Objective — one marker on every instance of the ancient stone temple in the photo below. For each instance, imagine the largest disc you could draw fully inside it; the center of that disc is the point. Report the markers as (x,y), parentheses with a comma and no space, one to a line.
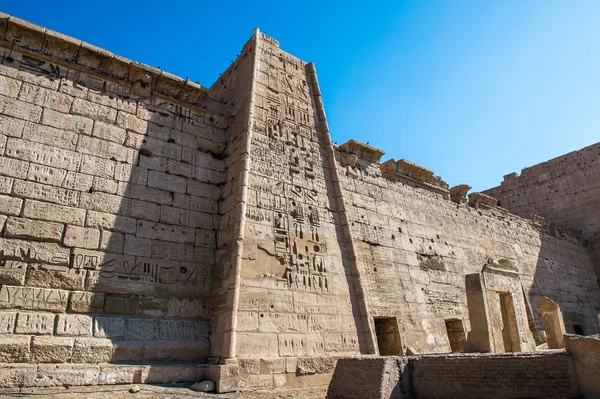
(155,230)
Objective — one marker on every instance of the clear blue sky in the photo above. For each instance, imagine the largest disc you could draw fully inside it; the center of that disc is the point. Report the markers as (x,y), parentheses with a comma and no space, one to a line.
(470,89)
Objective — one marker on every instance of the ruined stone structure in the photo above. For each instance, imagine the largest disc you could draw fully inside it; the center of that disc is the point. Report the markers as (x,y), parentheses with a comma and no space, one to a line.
(154,230)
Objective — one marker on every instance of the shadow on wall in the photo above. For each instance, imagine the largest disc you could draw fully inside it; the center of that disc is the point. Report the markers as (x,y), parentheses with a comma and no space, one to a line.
(153,277)
(565,274)
(109,256)
(506,316)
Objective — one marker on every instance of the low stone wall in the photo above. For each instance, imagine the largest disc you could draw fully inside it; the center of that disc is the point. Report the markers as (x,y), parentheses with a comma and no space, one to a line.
(524,375)
(532,375)
(17,375)
(585,352)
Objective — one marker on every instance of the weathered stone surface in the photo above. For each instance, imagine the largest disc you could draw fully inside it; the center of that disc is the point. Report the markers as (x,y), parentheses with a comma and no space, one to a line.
(27,298)
(74,325)
(35,323)
(81,237)
(33,229)
(14,349)
(86,302)
(204,386)
(51,349)
(54,213)
(92,350)
(166,209)
(47,276)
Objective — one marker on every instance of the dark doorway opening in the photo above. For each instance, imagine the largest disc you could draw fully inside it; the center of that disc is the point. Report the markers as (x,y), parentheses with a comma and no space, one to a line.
(456,334)
(510,332)
(578,329)
(388,336)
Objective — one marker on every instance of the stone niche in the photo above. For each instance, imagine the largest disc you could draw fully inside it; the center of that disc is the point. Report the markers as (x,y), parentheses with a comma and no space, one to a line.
(497,310)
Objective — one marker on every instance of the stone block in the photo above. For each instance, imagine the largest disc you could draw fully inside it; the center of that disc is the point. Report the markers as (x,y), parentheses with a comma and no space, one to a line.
(17,375)
(109,327)
(51,349)
(103,202)
(14,349)
(54,213)
(111,241)
(137,246)
(141,329)
(96,166)
(12,272)
(106,150)
(9,87)
(249,366)
(48,276)
(197,188)
(46,98)
(43,192)
(20,109)
(129,351)
(11,127)
(10,206)
(6,184)
(130,122)
(51,375)
(7,322)
(274,365)
(177,351)
(74,325)
(259,381)
(182,329)
(109,221)
(42,154)
(50,136)
(110,375)
(28,298)
(59,177)
(81,237)
(92,350)
(105,185)
(163,181)
(145,210)
(161,231)
(93,111)
(107,131)
(35,323)
(75,123)
(164,374)
(224,376)
(86,302)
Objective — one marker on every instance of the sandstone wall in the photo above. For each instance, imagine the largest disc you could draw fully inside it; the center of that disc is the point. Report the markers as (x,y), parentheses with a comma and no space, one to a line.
(416,248)
(585,352)
(295,295)
(110,175)
(523,375)
(564,190)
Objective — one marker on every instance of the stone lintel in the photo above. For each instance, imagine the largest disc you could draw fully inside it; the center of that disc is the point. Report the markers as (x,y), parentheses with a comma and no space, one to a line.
(502,266)
(68,52)
(363,151)
(482,200)
(404,170)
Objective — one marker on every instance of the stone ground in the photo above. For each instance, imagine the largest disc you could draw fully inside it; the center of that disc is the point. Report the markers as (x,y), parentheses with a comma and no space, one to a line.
(159,392)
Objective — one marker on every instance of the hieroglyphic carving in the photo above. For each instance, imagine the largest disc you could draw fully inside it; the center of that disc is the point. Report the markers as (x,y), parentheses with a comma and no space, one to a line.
(127,274)
(286,140)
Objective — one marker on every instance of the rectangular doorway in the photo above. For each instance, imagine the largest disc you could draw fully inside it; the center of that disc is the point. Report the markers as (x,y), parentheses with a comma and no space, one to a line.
(388,336)
(510,331)
(456,334)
